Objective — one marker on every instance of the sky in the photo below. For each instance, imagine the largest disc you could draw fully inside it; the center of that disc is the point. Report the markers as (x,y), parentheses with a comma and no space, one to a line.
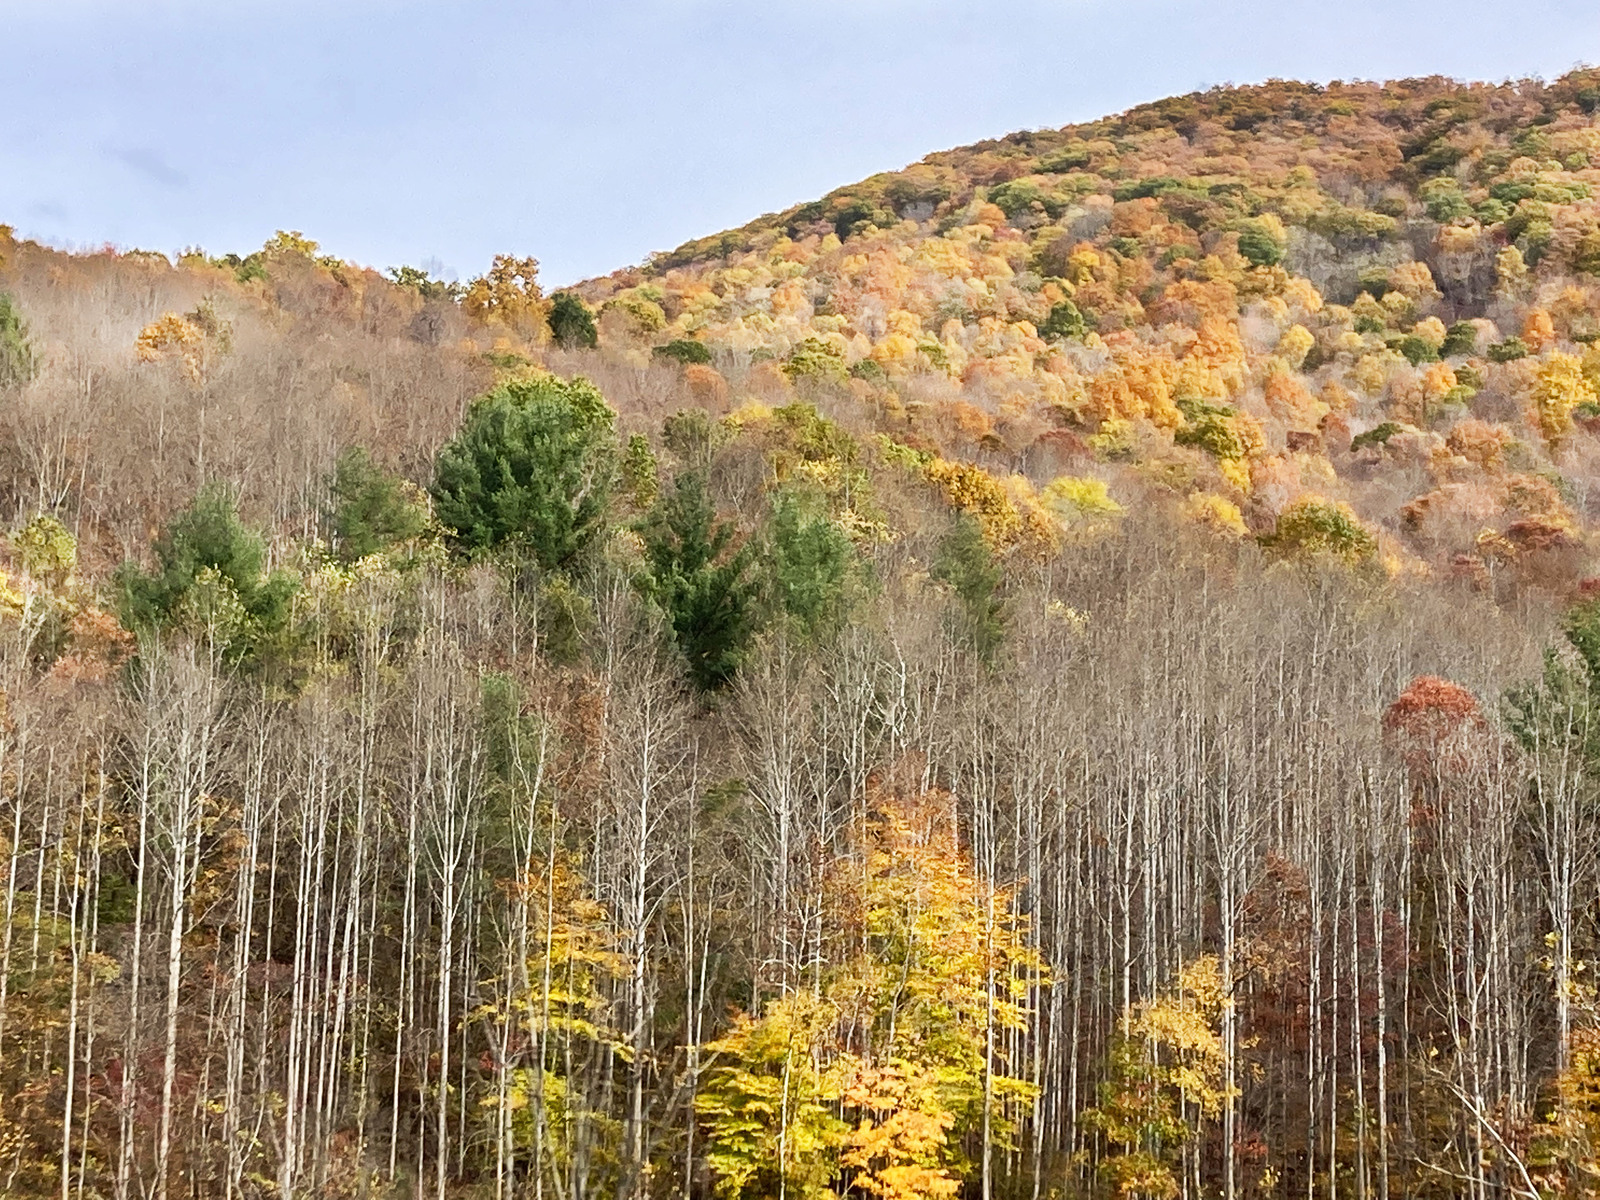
(591,133)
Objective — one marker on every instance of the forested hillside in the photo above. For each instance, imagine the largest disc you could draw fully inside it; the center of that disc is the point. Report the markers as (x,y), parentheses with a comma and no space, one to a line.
(1068,670)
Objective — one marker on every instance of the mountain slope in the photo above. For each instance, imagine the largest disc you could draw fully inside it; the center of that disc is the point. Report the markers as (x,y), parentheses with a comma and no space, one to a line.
(1380,295)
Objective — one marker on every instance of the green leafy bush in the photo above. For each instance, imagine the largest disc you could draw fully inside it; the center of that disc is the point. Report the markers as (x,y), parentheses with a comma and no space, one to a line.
(1509,350)
(530,469)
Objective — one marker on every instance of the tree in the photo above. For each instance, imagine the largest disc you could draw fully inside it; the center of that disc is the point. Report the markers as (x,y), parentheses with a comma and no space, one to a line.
(1263,241)
(1560,389)
(530,469)
(211,576)
(16,354)
(571,322)
(418,280)
(509,293)
(967,564)
(1063,321)
(702,582)
(811,564)
(1167,1063)
(876,1081)
(641,482)
(769,1103)
(372,509)
(1313,526)
(685,351)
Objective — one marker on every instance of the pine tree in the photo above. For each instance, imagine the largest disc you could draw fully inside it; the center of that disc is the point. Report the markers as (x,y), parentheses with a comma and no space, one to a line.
(532,468)
(16,354)
(701,581)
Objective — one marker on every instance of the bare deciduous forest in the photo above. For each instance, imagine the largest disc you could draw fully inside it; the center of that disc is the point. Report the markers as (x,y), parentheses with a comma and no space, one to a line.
(1066,671)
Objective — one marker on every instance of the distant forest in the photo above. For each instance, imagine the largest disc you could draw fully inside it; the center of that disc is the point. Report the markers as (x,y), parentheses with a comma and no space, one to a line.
(1071,670)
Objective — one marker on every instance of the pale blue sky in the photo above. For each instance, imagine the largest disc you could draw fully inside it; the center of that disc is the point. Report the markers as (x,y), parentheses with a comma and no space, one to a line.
(589,134)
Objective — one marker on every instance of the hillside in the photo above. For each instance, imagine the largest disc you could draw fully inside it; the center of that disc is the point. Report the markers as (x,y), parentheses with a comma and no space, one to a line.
(1067,671)
(1379,295)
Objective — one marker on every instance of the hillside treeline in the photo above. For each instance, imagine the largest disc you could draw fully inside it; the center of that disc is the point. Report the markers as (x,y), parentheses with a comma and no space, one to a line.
(463,742)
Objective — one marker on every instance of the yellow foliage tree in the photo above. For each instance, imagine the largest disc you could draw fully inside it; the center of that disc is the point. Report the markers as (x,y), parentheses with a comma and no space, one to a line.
(1558,389)
(872,1082)
(509,293)
(173,337)
(1166,1081)
(1565,1155)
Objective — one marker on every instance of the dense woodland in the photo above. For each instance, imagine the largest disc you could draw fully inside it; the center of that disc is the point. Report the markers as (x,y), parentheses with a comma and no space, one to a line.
(1068,670)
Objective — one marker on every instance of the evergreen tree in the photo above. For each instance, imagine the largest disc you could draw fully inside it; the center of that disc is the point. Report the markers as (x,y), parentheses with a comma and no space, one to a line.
(531,469)
(571,322)
(811,564)
(1064,320)
(701,582)
(968,566)
(210,576)
(372,509)
(16,355)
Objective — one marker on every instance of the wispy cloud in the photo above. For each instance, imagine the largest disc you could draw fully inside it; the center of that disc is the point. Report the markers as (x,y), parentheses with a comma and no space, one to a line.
(147,162)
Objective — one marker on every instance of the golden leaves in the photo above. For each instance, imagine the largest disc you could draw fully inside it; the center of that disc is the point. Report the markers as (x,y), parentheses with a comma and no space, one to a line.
(1559,388)
(173,336)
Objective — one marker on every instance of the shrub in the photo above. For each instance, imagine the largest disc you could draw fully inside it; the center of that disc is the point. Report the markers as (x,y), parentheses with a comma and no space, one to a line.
(571,322)
(373,509)
(531,468)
